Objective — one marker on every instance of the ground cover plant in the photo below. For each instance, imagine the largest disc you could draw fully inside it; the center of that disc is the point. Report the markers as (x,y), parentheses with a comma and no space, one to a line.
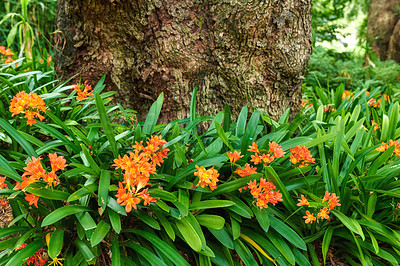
(89,184)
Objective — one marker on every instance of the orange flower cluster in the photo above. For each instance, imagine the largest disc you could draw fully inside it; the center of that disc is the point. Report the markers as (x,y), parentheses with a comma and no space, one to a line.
(36,259)
(375,125)
(136,169)
(346,93)
(304,103)
(234,156)
(29,104)
(34,172)
(3,185)
(329,109)
(374,103)
(81,95)
(300,154)
(207,177)
(5,51)
(8,60)
(264,192)
(332,201)
(247,170)
(385,146)
(274,152)
(49,59)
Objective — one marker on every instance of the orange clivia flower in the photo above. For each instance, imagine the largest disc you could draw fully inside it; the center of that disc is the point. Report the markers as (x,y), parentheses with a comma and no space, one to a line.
(146,197)
(382,148)
(32,199)
(324,213)
(327,196)
(5,51)
(136,170)
(303,201)
(57,162)
(346,93)
(304,103)
(29,104)
(51,179)
(385,146)
(375,125)
(81,95)
(3,185)
(275,150)
(310,218)
(333,201)
(300,154)
(248,170)
(374,103)
(264,192)
(3,202)
(8,60)
(254,148)
(207,177)
(234,156)
(34,169)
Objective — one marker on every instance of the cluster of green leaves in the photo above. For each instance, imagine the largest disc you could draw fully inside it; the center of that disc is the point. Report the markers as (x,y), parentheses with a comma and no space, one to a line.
(328,69)
(189,224)
(30,22)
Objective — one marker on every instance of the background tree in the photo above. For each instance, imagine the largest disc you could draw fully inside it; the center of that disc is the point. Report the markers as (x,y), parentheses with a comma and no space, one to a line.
(384,28)
(241,52)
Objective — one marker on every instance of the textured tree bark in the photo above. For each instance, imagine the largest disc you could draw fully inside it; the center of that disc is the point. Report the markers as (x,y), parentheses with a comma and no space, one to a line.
(383,29)
(243,52)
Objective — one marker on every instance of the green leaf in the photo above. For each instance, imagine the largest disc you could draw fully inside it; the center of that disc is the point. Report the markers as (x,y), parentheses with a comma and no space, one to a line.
(350,223)
(189,234)
(223,236)
(210,204)
(235,228)
(287,233)
(99,233)
(241,122)
(104,183)
(152,116)
(250,132)
(80,193)
(326,241)
(86,221)
(12,33)
(211,221)
(222,135)
(56,243)
(165,223)
(115,252)
(262,218)
(273,177)
(12,230)
(144,217)
(147,254)
(193,105)
(105,122)
(63,212)
(227,118)
(371,204)
(18,137)
(84,249)
(25,253)
(90,160)
(168,251)
(113,204)
(47,193)
(115,220)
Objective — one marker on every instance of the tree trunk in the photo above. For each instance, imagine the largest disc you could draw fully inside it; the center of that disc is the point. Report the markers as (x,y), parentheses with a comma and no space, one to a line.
(243,52)
(383,29)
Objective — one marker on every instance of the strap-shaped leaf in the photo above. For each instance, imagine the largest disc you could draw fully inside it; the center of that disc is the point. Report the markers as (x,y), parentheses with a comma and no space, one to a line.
(63,212)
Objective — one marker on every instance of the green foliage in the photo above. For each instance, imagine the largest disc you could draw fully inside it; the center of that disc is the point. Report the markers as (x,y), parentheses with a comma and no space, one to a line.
(328,69)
